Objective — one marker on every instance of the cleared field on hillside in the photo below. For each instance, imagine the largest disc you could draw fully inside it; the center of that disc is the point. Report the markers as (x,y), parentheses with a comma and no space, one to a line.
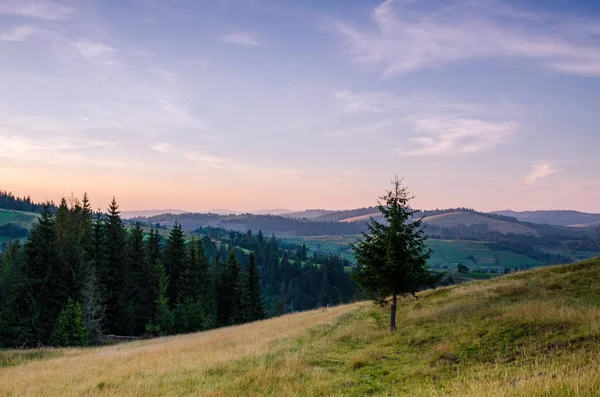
(24,219)
(446,253)
(475,254)
(469,218)
(339,245)
(533,333)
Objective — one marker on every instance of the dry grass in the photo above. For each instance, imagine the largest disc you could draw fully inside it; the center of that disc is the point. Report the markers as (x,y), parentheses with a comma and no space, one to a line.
(164,366)
(527,334)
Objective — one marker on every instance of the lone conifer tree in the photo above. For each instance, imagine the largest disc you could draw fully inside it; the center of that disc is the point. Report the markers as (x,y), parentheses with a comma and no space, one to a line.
(392,257)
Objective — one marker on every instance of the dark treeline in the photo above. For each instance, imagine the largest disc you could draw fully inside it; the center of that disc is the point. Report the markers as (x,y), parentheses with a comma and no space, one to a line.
(11,202)
(269,224)
(81,275)
(291,278)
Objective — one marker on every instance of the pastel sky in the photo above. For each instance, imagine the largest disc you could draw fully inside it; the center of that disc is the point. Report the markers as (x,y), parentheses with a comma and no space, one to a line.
(259,104)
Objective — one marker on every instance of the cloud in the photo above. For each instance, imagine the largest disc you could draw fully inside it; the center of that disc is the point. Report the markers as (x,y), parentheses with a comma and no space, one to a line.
(179,115)
(41,9)
(240,167)
(539,171)
(18,33)
(371,102)
(162,147)
(96,52)
(367,129)
(405,39)
(168,76)
(457,136)
(57,150)
(240,38)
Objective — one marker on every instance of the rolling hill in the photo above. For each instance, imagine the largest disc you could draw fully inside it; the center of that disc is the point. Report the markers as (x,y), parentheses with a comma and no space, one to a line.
(452,219)
(561,218)
(531,333)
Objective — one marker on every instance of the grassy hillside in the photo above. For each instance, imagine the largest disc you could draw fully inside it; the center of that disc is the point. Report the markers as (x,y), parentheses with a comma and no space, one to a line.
(533,333)
(563,218)
(470,218)
(446,253)
(25,219)
(20,218)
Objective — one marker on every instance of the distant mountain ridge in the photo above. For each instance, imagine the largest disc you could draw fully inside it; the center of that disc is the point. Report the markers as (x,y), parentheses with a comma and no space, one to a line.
(146,213)
(554,217)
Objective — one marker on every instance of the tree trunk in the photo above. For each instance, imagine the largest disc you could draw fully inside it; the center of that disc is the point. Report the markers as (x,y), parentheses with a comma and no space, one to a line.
(393,313)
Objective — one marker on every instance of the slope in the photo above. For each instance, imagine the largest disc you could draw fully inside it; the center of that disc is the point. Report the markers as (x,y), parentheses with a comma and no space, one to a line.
(555,217)
(530,333)
(471,218)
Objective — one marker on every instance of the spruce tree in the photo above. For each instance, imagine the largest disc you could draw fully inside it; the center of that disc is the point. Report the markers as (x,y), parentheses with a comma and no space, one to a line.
(239,297)
(392,257)
(93,309)
(41,270)
(137,279)
(174,261)
(113,273)
(255,307)
(69,329)
(14,297)
(228,278)
(164,319)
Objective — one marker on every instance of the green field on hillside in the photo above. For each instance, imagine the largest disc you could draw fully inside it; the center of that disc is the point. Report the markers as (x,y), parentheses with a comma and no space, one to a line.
(531,333)
(446,253)
(24,219)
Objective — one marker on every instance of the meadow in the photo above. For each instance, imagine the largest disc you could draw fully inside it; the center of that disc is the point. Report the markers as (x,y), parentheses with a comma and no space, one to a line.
(446,253)
(534,333)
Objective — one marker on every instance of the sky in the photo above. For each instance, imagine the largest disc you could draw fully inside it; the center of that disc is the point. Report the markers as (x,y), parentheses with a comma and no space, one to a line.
(247,105)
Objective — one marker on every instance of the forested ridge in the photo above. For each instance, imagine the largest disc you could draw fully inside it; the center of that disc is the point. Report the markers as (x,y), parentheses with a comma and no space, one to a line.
(82,275)
(11,202)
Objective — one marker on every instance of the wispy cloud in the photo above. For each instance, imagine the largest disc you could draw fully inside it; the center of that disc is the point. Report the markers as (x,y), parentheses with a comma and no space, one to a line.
(405,39)
(240,167)
(457,136)
(179,115)
(167,75)
(370,102)
(240,38)
(18,33)
(41,9)
(539,171)
(57,151)
(96,52)
(162,147)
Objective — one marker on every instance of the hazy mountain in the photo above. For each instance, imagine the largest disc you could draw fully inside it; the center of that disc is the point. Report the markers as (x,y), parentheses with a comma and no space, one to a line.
(308,214)
(554,217)
(274,211)
(146,213)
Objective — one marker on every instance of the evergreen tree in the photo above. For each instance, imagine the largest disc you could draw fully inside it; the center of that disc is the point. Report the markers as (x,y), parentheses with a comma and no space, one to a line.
(113,273)
(13,296)
(164,319)
(154,250)
(69,329)
(229,291)
(255,307)
(174,261)
(41,269)
(189,311)
(138,279)
(392,258)
(92,309)
(239,298)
